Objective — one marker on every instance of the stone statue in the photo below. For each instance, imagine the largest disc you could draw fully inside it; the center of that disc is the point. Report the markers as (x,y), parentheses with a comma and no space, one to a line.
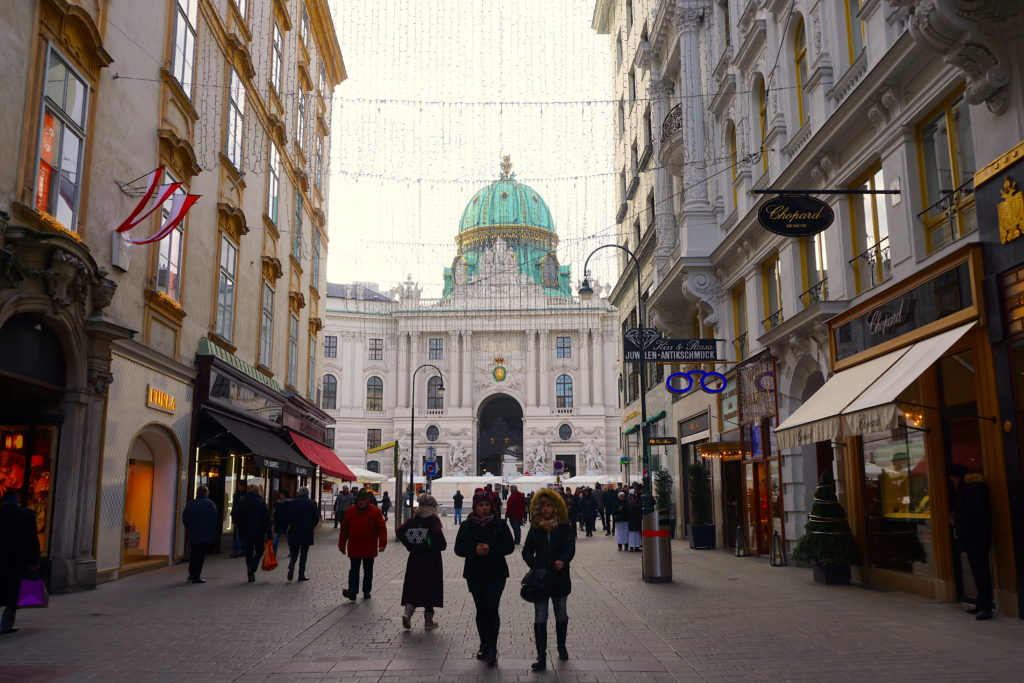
(403,455)
(458,458)
(537,460)
(593,460)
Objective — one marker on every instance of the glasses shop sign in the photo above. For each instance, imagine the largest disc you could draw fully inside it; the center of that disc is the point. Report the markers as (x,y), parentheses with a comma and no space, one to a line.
(795,215)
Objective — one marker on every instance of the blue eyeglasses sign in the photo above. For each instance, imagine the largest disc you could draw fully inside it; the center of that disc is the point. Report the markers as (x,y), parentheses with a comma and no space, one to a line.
(702,378)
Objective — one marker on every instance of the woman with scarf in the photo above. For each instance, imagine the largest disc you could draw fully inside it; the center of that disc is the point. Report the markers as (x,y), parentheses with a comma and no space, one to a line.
(550,545)
(485,540)
(423,586)
(636,517)
(620,515)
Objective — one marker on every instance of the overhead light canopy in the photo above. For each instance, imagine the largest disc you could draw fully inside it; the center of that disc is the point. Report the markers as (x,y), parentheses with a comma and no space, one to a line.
(723,450)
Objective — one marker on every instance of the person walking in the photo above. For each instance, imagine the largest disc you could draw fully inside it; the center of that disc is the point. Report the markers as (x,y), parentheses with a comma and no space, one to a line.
(363,535)
(598,495)
(423,585)
(236,539)
(457,507)
(201,520)
(385,505)
(495,499)
(572,505)
(972,531)
(278,516)
(342,502)
(484,540)
(636,519)
(515,510)
(254,528)
(301,518)
(588,511)
(550,546)
(20,559)
(620,516)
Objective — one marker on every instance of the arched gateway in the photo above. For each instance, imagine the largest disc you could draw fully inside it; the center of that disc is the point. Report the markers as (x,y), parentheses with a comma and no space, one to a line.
(499,434)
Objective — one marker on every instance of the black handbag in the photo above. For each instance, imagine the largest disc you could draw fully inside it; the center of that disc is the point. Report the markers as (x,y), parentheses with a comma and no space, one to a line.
(536,585)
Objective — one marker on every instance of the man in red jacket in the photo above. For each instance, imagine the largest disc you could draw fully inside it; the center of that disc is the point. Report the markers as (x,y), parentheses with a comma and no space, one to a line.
(363,534)
(515,510)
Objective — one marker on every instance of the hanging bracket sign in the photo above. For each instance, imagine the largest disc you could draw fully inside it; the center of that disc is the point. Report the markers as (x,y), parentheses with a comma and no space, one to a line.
(795,215)
(648,343)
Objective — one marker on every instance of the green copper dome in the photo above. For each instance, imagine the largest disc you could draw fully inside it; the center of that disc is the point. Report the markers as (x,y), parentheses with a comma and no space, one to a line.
(506,201)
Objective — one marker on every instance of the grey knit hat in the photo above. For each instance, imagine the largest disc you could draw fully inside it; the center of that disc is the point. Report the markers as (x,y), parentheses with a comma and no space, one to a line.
(427,501)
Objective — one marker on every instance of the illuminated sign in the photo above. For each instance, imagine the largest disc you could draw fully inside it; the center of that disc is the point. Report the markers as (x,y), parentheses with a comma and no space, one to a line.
(662,441)
(160,400)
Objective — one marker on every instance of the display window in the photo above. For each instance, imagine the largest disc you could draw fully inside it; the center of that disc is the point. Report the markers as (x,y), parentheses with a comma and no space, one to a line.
(138,508)
(26,465)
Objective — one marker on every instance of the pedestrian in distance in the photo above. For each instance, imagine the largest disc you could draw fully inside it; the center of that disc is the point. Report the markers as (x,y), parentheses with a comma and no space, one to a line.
(363,535)
(515,510)
(550,546)
(572,505)
(495,499)
(20,558)
(373,496)
(278,518)
(972,531)
(598,495)
(254,528)
(301,519)
(485,540)
(385,505)
(529,501)
(201,520)
(636,518)
(342,502)
(457,507)
(620,515)
(241,488)
(423,586)
(588,511)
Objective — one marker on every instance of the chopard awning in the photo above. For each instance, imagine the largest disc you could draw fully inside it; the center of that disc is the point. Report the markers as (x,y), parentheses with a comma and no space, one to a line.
(863,399)
(330,463)
(268,449)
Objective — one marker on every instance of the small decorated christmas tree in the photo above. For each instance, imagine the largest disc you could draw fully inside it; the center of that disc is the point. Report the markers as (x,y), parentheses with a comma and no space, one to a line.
(827,537)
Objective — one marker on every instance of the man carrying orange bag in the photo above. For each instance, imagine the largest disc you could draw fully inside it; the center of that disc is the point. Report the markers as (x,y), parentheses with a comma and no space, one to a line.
(269,557)
(253,519)
(364,533)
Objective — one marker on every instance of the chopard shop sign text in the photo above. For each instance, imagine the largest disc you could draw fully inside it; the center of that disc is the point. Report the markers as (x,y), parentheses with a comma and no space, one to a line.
(795,215)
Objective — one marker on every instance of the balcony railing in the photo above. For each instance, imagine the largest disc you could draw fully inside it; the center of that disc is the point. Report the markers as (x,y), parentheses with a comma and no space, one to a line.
(772,321)
(816,293)
(563,411)
(874,263)
(740,344)
(952,217)
(673,122)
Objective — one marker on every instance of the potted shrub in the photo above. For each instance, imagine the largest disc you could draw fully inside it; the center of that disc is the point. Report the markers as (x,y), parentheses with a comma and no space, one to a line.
(827,543)
(702,527)
(663,501)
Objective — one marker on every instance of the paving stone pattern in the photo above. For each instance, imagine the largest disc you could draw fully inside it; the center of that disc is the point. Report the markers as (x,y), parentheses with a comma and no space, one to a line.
(722,619)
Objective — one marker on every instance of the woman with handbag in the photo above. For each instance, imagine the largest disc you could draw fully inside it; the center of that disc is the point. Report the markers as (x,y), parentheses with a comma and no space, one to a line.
(484,540)
(549,548)
(423,586)
(620,515)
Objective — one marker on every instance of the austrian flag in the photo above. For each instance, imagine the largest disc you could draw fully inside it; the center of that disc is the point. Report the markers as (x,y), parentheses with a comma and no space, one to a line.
(180,204)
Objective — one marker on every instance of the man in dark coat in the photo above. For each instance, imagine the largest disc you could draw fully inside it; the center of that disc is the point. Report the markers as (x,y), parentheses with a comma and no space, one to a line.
(253,520)
(588,511)
(515,511)
(598,495)
(342,502)
(236,499)
(302,517)
(201,520)
(457,507)
(972,529)
(20,543)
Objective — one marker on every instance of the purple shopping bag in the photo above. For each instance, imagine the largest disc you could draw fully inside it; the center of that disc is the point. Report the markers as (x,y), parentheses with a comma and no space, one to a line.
(32,593)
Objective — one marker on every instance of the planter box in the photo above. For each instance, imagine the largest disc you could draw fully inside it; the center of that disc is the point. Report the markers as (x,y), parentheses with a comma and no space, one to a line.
(831,574)
(702,536)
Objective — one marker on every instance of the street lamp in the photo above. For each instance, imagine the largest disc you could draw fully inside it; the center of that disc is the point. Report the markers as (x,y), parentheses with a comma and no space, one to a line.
(650,516)
(412,429)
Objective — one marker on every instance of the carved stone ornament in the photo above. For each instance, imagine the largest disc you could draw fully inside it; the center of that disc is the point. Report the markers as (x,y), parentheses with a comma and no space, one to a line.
(687,18)
(702,287)
(67,279)
(102,293)
(1011,212)
(99,381)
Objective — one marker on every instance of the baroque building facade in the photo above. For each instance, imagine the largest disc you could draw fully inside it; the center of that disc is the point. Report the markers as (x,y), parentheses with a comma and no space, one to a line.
(735,97)
(525,366)
(105,343)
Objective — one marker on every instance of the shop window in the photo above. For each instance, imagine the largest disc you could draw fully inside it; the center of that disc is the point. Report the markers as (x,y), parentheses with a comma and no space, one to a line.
(870,226)
(814,256)
(375,394)
(277,59)
(376,349)
(236,119)
(739,320)
(61,143)
(184,56)
(330,346)
(801,73)
(227,272)
(267,326)
(330,393)
(435,393)
(947,161)
(373,437)
(854,29)
(26,465)
(435,349)
(563,347)
(168,264)
(563,392)
(771,285)
(273,183)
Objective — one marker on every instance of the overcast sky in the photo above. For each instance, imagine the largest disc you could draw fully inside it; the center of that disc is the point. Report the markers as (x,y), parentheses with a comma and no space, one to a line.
(437,91)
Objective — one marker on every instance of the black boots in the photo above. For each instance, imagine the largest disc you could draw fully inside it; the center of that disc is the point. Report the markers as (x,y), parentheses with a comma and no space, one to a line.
(540,637)
(488,630)
(481,629)
(492,646)
(561,630)
(619,546)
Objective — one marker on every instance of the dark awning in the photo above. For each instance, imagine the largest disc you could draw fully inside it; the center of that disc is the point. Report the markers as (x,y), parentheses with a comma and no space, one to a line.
(268,449)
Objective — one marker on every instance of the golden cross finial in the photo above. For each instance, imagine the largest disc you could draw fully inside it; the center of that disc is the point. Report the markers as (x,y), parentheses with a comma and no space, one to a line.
(506,166)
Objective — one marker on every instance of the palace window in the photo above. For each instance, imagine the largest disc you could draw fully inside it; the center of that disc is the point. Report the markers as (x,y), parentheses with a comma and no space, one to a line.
(803,104)
(563,347)
(61,143)
(330,346)
(168,262)
(184,57)
(730,134)
(300,120)
(854,29)
(762,120)
(304,28)
(273,183)
(739,320)
(319,169)
(947,159)
(329,437)
(227,272)
(373,437)
(330,393)
(314,280)
(815,269)
(376,349)
(435,349)
(771,282)
(433,433)
(311,368)
(293,349)
(435,393)
(236,119)
(267,325)
(297,227)
(375,394)
(870,233)
(277,59)
(563,392)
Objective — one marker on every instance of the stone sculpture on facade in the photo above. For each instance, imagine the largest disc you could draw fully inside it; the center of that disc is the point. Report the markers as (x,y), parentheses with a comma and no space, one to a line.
(458,459)
(537,460)
(593,458)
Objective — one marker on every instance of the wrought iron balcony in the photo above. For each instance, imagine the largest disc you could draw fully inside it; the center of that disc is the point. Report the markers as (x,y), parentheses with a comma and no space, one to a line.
(816,293)
(874,263)
(740,344)
(673,122)
(951,217)
(773,320)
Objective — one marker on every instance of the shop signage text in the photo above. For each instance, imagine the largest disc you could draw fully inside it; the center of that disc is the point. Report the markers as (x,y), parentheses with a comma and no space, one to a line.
(662,441)
(647,344)
(882,322)
(160,400)
(696,424)
(1012,288)
(795,215)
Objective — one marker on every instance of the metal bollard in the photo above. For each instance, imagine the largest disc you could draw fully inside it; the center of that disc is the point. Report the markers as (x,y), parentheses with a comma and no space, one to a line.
(657,557)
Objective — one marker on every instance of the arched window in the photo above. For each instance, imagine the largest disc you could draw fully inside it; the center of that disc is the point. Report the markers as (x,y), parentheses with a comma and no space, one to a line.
(762,120)
(800,71)
(435,394)
(330,394)
(730,134)
(563,391)
(375,394)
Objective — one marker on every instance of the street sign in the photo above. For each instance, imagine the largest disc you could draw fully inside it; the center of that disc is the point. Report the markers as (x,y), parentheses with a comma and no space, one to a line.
(559,466)
(430,469)
(645,343)
(662,441)
(431,454)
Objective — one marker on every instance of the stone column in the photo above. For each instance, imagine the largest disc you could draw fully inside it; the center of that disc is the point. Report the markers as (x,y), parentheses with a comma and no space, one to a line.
(403,369)
(531,369)
(664,216)
(586,369)
(467,369)
(545,351)
(455,381)
(414,362)
(599,367)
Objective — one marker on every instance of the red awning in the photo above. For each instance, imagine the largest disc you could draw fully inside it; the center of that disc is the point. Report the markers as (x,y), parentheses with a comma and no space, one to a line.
(329,462)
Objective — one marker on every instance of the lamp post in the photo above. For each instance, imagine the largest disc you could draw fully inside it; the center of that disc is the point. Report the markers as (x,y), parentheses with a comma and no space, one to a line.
(653,553)
(412,430)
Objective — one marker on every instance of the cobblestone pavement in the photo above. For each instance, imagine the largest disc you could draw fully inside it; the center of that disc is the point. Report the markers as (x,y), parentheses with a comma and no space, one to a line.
(722,619)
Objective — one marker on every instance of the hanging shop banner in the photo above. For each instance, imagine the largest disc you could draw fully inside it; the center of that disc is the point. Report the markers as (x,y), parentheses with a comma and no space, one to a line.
(648,343)
(795,215)
(755,379)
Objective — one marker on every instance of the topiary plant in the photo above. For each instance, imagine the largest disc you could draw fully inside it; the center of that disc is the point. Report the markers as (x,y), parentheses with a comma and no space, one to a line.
(827,537)
(663,490)
(700,495)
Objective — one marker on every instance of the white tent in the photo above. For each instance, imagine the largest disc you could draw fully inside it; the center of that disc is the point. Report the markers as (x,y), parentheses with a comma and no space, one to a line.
(444,488)
(533,482)
(417,479)
(588,480)
(467,480)
(366,476)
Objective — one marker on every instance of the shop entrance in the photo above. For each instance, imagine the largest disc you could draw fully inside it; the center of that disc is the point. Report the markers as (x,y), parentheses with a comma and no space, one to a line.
(732,494)
(759,509)
(150,498)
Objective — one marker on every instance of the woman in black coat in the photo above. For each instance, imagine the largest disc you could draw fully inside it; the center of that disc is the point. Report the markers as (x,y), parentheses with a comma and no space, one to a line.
(423,586)
(385,504)
(636,519)
(550,545)
(588,511)
(20,541)
(485,540)
(620,516)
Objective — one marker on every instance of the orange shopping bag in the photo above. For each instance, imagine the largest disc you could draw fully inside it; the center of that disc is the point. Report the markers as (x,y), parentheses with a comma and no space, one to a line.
(269,558)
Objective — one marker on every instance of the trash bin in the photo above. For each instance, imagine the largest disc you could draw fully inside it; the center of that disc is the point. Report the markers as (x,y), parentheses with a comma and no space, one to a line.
(657,558)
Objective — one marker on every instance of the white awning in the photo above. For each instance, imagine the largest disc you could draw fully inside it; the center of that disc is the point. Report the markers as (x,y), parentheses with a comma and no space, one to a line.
(818,419)
(863,399)
(589,479)
(366,476)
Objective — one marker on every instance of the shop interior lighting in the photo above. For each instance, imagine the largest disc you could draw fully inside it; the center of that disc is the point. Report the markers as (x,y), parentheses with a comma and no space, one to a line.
(723,450)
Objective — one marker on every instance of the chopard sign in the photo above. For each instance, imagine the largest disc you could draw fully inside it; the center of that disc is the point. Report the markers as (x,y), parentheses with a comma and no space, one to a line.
(795,215)
(883,322)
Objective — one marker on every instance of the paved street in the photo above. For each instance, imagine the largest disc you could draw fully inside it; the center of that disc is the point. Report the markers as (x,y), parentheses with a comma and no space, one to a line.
(723,619)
